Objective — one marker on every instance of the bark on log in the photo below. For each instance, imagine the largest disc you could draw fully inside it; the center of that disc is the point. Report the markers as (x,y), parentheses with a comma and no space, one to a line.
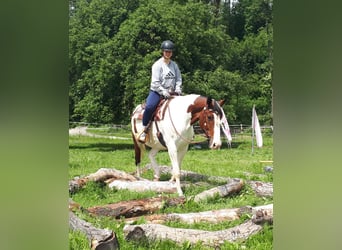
(233,186)
(142,186)
(260,214)
(262,188)
(153,232)
(134,208)
(99,239)
(263,214)
(74,205)
(101,175)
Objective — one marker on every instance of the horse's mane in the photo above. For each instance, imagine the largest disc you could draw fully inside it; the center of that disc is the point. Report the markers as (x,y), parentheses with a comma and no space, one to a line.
(216,106)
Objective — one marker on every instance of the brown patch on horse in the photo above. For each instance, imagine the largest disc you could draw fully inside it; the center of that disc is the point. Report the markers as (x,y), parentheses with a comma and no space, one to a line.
(202,110)
(195,108)
(135,126)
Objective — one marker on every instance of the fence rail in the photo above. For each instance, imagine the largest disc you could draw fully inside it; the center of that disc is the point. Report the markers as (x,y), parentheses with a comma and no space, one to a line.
(235,130)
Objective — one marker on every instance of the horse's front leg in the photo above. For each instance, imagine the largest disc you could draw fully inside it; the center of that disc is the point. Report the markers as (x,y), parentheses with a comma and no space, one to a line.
(176,164)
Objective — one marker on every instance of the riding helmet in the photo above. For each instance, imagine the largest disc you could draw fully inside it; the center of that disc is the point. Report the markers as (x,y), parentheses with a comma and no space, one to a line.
(167,46)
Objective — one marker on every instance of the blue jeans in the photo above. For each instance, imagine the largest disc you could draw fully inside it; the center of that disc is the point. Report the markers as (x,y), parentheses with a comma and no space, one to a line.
(151,105)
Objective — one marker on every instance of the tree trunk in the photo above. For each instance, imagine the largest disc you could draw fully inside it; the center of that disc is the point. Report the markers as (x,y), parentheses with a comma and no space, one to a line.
(101,175)
(153,232)
(262,188)
(99,239)
(233,186)
(134,208)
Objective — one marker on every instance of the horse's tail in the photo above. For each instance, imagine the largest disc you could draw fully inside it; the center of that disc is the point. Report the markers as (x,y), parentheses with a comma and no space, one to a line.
(138,149)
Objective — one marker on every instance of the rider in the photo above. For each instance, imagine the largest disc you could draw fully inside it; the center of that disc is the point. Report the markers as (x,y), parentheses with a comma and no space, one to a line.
(166,79)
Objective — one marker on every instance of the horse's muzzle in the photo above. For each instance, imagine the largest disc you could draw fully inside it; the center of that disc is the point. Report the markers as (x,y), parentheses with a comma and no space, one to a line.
(215,145)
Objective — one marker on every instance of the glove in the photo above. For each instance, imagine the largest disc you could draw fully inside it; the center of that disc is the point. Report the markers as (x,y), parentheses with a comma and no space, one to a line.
(178,92)
(166,94)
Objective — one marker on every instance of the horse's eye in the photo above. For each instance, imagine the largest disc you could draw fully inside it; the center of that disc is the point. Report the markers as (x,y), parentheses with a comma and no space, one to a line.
(210,118)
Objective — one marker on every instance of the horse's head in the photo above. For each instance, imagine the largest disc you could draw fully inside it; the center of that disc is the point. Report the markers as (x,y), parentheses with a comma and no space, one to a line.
(210,122)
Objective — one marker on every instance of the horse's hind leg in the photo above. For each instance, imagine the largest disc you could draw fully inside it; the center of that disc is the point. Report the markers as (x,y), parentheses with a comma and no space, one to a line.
(152,154)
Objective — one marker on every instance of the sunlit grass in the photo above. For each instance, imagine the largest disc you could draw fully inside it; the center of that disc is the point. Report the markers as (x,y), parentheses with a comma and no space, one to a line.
(88,154)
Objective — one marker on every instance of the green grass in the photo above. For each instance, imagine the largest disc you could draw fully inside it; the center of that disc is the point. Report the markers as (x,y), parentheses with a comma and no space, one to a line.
(88,154)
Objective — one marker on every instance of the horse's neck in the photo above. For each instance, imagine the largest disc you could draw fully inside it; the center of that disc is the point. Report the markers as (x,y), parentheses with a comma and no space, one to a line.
(177,110)
(195,108)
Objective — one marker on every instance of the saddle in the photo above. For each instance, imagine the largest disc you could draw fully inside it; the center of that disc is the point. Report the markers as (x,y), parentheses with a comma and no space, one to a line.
(157,115)
(159,112)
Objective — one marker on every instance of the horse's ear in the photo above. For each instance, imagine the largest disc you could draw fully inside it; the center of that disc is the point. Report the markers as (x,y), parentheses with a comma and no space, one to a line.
(221,102)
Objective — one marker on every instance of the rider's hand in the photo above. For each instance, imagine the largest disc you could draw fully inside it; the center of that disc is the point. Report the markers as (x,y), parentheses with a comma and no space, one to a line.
(178,92)
(166,94)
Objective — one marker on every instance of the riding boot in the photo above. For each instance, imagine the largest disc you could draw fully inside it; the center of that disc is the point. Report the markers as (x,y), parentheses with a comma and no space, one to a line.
(142,136)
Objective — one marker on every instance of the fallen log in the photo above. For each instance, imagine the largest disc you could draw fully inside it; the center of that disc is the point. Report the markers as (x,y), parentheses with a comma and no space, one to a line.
(263,214)
(134,208)
(101,175)
(233,186)
(99,239)
(260,214)
(143,186)
(73,206)
(262,188)
(153,232)
(193,176)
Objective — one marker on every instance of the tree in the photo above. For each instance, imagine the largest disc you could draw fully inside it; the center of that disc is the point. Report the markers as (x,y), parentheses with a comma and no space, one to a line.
(223,51)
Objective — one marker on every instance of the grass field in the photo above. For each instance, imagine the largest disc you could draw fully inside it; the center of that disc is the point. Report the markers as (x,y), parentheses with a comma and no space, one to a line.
(87,154)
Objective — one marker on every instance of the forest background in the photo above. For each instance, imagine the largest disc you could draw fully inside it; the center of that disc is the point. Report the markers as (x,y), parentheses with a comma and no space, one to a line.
(223,48)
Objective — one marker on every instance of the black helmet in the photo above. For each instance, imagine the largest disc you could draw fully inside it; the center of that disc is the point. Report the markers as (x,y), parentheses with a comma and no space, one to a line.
(167,45)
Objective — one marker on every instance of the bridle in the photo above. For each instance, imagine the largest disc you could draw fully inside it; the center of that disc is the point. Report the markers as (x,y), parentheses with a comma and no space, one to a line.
(206,117)
(204,120)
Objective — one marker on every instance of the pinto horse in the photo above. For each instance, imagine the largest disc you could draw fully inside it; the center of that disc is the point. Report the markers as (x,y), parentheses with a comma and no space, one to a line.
(172,130)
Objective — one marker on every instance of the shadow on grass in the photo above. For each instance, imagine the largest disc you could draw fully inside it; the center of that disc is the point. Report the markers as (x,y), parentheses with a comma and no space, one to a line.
(106,147)
(205,145)
(103,146)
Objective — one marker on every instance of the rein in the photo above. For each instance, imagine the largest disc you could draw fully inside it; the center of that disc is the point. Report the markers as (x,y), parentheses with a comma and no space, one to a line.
(185,139)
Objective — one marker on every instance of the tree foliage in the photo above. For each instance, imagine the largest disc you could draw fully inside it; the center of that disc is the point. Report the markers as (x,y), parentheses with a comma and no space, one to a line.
(223,51)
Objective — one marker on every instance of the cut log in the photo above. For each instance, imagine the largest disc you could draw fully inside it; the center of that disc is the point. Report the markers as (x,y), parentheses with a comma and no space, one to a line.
(263,214)
(262,188)
(101,175)
(233,186)
(153,232)
(134,208)
(99,239)
(260,215)
(143,186)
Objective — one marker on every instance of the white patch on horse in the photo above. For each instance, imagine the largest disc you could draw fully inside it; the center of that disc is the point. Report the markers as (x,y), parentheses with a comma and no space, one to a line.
(177,133)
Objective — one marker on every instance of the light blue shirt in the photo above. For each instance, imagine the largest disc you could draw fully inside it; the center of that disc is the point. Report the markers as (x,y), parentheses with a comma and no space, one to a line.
(165,76)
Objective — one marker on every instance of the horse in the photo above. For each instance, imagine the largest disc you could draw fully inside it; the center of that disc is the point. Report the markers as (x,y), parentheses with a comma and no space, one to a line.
(172,130)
